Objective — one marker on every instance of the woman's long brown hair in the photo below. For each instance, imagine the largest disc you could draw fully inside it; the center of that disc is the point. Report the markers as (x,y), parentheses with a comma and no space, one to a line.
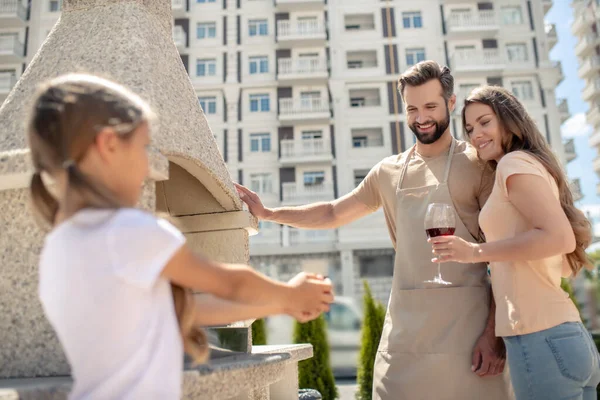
(66,116)
(522,134)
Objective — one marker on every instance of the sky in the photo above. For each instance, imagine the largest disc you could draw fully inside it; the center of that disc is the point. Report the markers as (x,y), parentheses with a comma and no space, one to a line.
(576,127)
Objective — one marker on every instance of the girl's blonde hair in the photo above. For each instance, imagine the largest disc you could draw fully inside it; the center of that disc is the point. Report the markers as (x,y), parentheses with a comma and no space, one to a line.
(67,114)
(522,134)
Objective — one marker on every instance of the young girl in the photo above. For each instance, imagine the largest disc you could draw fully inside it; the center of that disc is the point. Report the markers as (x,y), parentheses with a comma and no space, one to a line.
(535,236)
(109,272)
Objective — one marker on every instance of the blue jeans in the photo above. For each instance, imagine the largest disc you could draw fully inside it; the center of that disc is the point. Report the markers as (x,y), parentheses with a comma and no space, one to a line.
(559,363)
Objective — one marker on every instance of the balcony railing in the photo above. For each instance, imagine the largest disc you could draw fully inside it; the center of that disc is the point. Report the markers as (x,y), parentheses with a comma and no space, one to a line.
(13,8)
(575,185)
(585,43)
(301,66)
(292,107)
(300,30)
(596,164)
(305,147)
(593,117)
(10,45)
(7,81)
(480,20)
(569,147)
(478,58)
(286,2)
(588,66)
(551,32)
(591,89)
(296,193)
(298,236)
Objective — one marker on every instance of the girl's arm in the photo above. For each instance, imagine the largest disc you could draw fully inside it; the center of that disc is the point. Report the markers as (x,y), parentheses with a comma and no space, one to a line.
(240,283)
(551,232)
(214,311)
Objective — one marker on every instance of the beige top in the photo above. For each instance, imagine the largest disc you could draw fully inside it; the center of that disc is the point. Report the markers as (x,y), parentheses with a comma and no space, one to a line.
(469,183)
(527,293)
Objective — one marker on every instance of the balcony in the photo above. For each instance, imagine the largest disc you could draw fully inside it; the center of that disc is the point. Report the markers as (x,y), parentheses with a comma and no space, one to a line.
(480,21)
(589,67)
(11,49)
(596,164)
(178,7)
(299,5)
(294,193)
(551,35)
(569,147)
(7,82)
(575,186)
(585,45)
(267,236)
(582,21)
(563,110)
(591,90)
(302,236)
(305,32)
(294,151)
(593,117)
(13,14)
(179,37)
(303,68)
(291,110)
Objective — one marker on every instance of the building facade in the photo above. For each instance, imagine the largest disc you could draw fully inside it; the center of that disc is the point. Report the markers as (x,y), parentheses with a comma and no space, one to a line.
(301,98)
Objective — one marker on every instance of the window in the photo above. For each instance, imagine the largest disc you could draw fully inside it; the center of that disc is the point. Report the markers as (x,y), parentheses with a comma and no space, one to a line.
(361,59)
(206,67)
(357,102)
(261,183)
(208,104)
(206,30)
(376,266)
(307,24)
(511,15)
(258,27)
(314,178)
(412,19)
(307,135)
(54,5)
(359,22)
(357,64)
(523,90)
(259,103)
(359,141)
(260,142)
(517,52)
(308,99)
(414,56)
(360,175)
(206,1)
(259,65)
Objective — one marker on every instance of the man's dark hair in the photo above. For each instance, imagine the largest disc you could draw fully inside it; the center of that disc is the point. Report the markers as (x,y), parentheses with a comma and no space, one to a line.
(425,71)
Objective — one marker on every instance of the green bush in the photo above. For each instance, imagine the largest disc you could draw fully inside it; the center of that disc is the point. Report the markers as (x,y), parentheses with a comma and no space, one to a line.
(315,373)
(259,333)
(372,327)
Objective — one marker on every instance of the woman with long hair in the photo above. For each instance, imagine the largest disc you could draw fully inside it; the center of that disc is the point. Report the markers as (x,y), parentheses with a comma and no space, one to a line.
(535,236)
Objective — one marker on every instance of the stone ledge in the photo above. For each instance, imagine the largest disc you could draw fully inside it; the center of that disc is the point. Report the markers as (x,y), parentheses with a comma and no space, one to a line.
(221,379)
(218,222)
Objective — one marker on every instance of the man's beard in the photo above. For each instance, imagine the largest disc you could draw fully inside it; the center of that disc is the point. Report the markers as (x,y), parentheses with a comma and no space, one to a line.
(429,138)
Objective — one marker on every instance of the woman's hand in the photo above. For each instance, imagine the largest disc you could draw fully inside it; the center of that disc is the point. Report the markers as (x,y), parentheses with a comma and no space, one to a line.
(453,248)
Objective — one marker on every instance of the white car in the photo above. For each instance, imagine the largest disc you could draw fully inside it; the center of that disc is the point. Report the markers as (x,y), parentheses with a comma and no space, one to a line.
(344,321)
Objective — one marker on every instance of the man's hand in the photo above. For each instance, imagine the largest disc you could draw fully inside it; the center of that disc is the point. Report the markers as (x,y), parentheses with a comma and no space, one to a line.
(489,355)
(255,206)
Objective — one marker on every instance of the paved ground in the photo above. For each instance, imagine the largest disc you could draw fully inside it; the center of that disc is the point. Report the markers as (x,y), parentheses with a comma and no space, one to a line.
(347,389)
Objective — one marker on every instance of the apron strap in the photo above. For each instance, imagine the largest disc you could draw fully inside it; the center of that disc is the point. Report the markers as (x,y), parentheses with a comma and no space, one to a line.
(405,165)
(449,162)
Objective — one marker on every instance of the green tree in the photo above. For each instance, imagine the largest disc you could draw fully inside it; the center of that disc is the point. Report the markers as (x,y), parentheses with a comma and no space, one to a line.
(372,327)
(315,373)
(259,333)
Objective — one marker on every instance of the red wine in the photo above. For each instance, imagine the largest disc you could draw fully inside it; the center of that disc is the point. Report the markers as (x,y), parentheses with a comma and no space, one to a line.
(434,232)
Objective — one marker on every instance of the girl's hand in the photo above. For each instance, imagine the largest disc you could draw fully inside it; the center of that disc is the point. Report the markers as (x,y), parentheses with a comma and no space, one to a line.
(453,248)
(309,292)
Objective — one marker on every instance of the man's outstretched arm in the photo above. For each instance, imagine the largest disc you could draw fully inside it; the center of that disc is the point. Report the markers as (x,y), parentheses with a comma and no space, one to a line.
(325,215)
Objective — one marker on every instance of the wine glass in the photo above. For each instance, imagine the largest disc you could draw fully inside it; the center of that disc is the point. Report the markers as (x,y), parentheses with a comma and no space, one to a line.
(439,221)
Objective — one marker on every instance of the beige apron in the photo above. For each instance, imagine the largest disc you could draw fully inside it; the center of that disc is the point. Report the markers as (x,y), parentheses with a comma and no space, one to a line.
(430,330)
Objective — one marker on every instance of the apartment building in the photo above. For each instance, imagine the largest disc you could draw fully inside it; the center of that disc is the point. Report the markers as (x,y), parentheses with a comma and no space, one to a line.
(301,98)
(585,27)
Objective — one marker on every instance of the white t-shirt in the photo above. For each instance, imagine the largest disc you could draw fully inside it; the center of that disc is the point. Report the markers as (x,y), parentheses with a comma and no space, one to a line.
(101,289)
